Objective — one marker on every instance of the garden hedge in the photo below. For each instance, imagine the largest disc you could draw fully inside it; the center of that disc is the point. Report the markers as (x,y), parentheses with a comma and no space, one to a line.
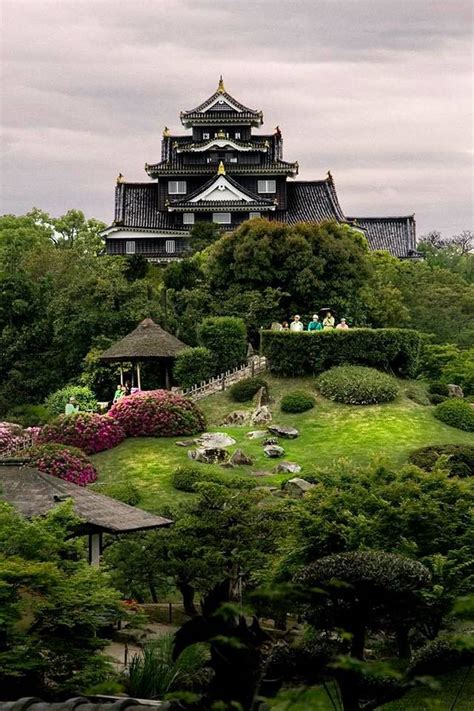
(307,353)
(226,338)
(193,365)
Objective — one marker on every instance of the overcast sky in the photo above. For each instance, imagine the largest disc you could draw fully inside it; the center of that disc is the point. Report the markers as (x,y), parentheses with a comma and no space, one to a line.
(378,91)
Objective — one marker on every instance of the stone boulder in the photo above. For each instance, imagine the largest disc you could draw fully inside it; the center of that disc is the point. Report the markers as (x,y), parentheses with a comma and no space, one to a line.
(282,431)
(297,487)
(215,439)
(237,417)
(240,459)
(455,390)
(257,434)
(287,468)
(209,455)
(262,397)
(261,416)
(270,440)
(274,451)
(185,443)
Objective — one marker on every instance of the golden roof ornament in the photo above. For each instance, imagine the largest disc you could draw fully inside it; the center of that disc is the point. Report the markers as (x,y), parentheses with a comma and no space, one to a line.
(220,86)
(166,132)
(221,133)
(330,178)
(120,179)
(221,168)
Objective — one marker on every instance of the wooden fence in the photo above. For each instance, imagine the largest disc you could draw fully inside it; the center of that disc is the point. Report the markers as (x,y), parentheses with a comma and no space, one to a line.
(255,364)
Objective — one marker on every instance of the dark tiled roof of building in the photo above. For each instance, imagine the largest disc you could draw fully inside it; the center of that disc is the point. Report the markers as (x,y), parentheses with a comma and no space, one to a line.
(220,94)
(312,201)
(80,703)
(392,234)
(186,200)
(136,205)
(34,493)
(176,167)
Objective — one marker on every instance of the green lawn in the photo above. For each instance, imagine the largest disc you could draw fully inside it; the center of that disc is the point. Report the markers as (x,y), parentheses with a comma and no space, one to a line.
(328,432)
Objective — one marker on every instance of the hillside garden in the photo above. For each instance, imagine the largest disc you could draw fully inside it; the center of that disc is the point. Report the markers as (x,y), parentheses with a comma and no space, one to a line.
(331,497)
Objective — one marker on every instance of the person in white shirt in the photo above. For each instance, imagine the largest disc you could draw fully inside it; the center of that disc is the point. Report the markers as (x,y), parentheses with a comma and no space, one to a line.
(296,324)
(343,325)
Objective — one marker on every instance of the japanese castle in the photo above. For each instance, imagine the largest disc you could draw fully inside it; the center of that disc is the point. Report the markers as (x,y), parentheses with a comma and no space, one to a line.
(224,173)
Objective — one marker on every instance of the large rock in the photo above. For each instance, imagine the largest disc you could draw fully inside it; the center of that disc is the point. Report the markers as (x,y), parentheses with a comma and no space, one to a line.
(270,440)
(274,451)
(237,417)
(262,397)
(455,390)
(261,416)
(240,459)
(215,439)
(209,455)
(257,434)
(282,431)
(287,468)
(298,487)
(185,443)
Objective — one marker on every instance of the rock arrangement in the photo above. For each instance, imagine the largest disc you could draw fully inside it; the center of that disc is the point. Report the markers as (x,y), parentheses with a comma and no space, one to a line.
(298,487)
(287,468)
(215,439)
(274,451)
(209,455)
(282,431)
(237,417)
(261,416)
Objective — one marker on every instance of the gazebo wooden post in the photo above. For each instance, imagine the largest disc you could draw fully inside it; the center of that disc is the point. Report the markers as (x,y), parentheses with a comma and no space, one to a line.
(167,376)
(121,375)
(95,548)
(139,382)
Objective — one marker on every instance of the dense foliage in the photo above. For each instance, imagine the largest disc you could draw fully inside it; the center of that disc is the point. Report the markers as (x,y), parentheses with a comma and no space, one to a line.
(84,397)
(292,354)
(245,389)
(356,385)
(457,458)
(457,413)
(157,413)
(90,432)
(68,463)
(225,337)
(188,478)
(193,366)
(297,401)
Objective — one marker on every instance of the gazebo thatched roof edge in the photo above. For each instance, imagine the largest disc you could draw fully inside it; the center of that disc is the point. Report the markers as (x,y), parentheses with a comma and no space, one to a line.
(147,342)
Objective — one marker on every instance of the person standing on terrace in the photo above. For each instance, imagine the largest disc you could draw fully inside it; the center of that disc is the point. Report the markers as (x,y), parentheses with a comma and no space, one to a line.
(315,324)
(296,324)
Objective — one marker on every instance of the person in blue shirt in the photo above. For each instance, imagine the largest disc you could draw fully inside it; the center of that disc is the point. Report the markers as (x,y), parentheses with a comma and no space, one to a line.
(315,324)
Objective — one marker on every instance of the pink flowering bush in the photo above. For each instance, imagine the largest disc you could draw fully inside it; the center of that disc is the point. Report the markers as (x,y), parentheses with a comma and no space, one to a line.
(67,463)
(158,413)
(13,437)
(90,432)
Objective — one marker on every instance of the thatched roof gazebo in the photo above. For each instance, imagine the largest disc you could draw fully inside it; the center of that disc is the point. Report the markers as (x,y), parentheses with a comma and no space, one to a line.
(148,342)
(34,493)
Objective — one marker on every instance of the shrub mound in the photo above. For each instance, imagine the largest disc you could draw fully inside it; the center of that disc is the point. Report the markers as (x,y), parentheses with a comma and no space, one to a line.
(416,393)
(187,478)
(436,399)
(194,365)
(90,432)
(456,413)
(57,401)
(297,401)
(123,491)
(357,385)
(438,388)
(158,413)
(244,390)
(460,462)
(68,463)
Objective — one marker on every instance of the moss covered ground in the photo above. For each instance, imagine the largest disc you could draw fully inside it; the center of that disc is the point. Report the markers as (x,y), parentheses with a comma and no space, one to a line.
(328,432)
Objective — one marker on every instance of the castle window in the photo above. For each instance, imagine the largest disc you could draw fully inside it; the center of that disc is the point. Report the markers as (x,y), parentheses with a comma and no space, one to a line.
(130,247)
(170,246)
(206,136)
(188,218)
(237,134)
(222,218)
(267,186)
(254,214)
(176,187)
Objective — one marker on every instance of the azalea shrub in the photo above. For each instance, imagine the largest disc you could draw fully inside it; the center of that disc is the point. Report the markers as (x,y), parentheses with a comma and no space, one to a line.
(68,463)
(13,437)
(158,413)
(90,432)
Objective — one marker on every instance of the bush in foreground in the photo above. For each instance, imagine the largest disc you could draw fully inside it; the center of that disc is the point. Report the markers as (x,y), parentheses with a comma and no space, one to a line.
(59,399)
(192,366)
(68,463)
(90,432)
(245,389)
(297,401)
(460,458)
(357,385)
(158,413)
(456,413)
(188,478)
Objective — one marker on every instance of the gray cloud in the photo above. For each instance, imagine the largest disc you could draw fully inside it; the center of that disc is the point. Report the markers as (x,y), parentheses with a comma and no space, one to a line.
(379,92)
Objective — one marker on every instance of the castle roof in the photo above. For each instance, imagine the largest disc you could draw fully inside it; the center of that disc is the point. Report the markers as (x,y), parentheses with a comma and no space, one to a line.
(392,234)
(219,108)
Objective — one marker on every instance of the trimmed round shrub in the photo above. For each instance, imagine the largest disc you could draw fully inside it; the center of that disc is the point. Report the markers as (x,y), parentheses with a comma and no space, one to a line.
(245,389)
(460,462)
(90,432)
(438,388)
(297,401)
(226,338)
(456,413)
(188,478)
(158,413)
(84,396)
(357,385)
(417,394)
(123,491)
(436,399)
(193,365)
(68,463)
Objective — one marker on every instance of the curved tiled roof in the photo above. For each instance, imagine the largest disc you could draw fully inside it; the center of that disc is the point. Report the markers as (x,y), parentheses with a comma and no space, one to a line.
(136,205)
(312,201)
(187,198)
(393,234)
